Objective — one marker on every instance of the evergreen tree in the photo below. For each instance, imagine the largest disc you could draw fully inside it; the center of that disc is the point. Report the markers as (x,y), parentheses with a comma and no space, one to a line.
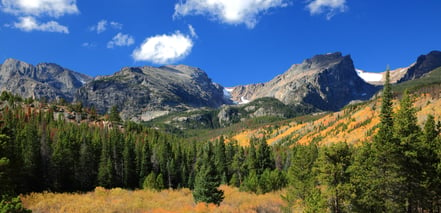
(408,147)
(114,114)
(264,157)
(431,180)
(105,169)
(301,177)
(378,181)
(129,175)
(207,180)
(333,164)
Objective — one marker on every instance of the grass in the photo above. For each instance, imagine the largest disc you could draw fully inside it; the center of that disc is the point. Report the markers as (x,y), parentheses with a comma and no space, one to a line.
(434,77)
(120,200)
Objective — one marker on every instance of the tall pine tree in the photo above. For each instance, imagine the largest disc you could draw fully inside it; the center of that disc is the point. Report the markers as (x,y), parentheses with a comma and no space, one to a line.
(207,180)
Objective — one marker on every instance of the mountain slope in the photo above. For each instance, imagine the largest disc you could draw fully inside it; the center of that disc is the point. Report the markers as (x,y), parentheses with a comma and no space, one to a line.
(327,82)
(143,93)
(353,124)
(45,80)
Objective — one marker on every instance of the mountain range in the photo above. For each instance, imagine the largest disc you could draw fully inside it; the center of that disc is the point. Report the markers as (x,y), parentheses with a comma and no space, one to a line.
(325,82)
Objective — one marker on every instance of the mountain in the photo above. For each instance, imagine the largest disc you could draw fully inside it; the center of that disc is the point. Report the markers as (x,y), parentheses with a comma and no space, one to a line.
(327,82)
(423,65)
(45,80)
(144,93)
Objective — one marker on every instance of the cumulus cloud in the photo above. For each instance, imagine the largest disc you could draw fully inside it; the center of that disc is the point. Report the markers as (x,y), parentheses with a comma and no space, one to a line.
(29,24)
(331,7)
(101,26)
(164,49)
(228,11)
(53,8)
(121,40)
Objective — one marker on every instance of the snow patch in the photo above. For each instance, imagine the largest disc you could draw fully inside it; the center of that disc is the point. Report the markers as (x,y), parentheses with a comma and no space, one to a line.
(243,100)
(369,76)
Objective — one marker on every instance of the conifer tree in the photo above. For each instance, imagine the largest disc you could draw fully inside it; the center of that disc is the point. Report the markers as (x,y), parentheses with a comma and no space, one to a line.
(301,177)
(431,180)
(383,180)
(408,146)
(207,180)
(114,114)
(333,165)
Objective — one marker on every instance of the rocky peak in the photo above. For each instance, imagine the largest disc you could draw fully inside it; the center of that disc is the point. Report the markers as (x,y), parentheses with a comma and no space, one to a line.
(327,82)
(322,60)
(46,80)
(143,93)
(423,65)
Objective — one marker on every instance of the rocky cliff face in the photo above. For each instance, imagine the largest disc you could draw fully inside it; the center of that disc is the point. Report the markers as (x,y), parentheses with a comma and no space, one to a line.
(45,80)
(143,93)
(423,65)
(327,82)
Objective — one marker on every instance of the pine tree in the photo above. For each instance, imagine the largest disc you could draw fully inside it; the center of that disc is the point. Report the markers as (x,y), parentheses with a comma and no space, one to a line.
(129,175)
(301,177)
(431,181)
(380,191)
(333,165)
(207,180)
(114,114)
(407,134)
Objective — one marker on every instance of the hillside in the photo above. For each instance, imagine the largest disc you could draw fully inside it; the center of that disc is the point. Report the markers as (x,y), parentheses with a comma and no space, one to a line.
(354,124)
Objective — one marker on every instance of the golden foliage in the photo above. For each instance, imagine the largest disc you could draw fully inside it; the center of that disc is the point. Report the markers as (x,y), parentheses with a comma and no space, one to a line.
(354,124)
(121,200)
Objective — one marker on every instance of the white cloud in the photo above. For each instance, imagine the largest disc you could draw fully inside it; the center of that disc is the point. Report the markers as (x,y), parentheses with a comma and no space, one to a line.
(29,24)
(228,11)
(53,8)
(192,31)
(101,26)
(164,49)
(330,6)
(121,40)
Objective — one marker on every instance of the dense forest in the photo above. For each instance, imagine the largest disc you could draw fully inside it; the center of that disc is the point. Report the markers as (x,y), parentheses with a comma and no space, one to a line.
(399,171)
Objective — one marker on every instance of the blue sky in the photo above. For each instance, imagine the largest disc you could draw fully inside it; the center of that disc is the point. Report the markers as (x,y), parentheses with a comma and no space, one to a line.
(234,41)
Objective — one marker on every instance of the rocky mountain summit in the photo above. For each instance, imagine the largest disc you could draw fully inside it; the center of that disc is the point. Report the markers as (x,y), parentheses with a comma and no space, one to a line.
(143,93)
(45,80)
(327,82)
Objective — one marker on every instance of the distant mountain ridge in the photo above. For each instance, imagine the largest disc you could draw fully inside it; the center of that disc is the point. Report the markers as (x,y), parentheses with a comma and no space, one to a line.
(325,82)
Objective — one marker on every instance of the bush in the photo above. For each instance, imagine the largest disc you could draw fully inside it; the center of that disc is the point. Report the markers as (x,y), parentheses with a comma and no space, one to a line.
(12,205)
